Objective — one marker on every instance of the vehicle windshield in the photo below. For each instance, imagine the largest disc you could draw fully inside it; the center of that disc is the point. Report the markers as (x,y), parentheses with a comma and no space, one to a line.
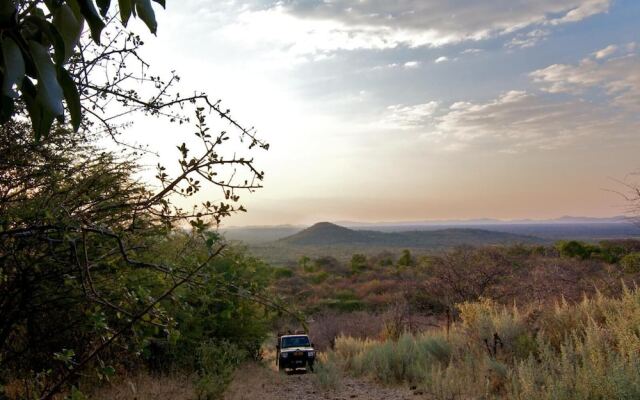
(295,341)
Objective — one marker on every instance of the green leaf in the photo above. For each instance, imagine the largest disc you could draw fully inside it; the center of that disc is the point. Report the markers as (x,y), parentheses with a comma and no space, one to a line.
(103,5)
(75,7)
(50,92)
(125,10)
(66,356)
(77,394)
(7,12)
(41,119)
(72,97)
(69,27)
(7,108)
(146,14)
(51,33)
(14,68)
(96,24)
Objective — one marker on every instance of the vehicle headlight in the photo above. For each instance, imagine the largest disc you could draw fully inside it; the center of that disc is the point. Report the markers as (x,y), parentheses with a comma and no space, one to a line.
(311,354)
(285,355)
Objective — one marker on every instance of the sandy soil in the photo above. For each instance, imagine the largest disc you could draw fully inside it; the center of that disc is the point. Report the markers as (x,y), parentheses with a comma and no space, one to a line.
(257,382)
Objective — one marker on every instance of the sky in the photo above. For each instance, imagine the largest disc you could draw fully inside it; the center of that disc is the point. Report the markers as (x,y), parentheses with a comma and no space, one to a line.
(406,110)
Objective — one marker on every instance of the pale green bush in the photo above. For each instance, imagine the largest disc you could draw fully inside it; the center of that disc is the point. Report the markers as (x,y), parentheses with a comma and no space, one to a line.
(327,372)
(347,348)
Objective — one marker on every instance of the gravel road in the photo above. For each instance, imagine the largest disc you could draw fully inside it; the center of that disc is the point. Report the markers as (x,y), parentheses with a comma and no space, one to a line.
(258,382)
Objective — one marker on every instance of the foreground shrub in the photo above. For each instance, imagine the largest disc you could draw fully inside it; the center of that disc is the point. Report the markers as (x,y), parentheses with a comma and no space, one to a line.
(328,374)
(588,350)
(217,363)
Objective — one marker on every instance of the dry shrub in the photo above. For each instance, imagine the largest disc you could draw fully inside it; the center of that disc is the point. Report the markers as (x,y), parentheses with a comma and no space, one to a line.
(328,326)
(328,373)
(567,351)
(376,287)
(148,387)
(508,276)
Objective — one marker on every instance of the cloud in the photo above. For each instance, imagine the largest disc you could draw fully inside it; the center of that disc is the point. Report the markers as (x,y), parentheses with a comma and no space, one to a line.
(513,122)
(606,52)
(518,121)
(462,19)
(529,39)
(409,117)
(618,78)
(311,26)
(412,64)
(441,59)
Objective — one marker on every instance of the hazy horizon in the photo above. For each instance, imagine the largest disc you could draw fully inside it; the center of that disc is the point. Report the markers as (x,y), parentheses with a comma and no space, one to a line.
(414,110)
(470,221)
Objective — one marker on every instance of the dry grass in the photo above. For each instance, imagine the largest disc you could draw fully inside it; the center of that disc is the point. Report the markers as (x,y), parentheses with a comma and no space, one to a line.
(148,387)
(589,350)
(253,381)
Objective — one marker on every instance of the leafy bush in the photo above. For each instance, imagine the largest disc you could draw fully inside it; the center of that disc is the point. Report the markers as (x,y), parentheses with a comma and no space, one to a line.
(631,263)
(217,362)
(577,249)
(280,273)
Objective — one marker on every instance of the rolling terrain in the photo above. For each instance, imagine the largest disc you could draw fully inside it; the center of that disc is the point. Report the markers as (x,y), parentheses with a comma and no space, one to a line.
(325,238)
(565,228)
(328,234)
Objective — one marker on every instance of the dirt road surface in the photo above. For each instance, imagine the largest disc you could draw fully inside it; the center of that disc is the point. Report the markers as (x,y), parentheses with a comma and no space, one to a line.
(253,381)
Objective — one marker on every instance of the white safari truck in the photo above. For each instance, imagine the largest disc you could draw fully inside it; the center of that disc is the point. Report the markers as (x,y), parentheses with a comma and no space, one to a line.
(294,352)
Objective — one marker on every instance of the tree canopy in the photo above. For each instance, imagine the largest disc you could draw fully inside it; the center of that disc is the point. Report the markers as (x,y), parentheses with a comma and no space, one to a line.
(97,266)
(40,40)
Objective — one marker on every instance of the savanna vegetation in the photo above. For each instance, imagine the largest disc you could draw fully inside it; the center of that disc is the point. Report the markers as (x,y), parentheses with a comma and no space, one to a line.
(110,276)
(431,284)
(105,273)
(518,322)
(586,350)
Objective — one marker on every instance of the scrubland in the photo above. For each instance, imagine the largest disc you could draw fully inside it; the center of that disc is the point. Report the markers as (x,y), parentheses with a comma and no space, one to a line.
(587,350)
(514,322)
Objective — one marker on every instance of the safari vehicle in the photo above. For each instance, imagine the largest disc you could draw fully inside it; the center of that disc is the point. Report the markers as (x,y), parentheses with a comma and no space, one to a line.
(294,352)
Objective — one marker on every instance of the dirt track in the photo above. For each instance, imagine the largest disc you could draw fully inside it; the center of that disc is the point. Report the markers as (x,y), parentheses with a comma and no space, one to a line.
(256,382)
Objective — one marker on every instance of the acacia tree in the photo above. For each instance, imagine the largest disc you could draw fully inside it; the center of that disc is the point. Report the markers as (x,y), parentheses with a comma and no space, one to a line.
(72,216)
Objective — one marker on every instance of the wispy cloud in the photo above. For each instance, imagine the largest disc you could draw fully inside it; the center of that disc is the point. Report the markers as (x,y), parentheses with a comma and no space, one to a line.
(528,39)
(606,52)
(618,77)
(313,26)
(471,51)
(518,121)
(410,117)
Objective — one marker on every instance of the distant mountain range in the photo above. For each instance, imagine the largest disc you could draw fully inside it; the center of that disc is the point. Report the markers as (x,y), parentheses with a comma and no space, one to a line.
(493,221)
(582,228)
(328,234)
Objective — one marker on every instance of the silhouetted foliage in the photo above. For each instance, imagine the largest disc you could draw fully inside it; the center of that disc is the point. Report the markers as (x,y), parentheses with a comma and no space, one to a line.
(86,281)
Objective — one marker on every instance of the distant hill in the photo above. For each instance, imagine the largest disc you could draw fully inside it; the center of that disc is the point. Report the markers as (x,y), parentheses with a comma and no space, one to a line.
(328,234)
(260,234)
(579,228)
